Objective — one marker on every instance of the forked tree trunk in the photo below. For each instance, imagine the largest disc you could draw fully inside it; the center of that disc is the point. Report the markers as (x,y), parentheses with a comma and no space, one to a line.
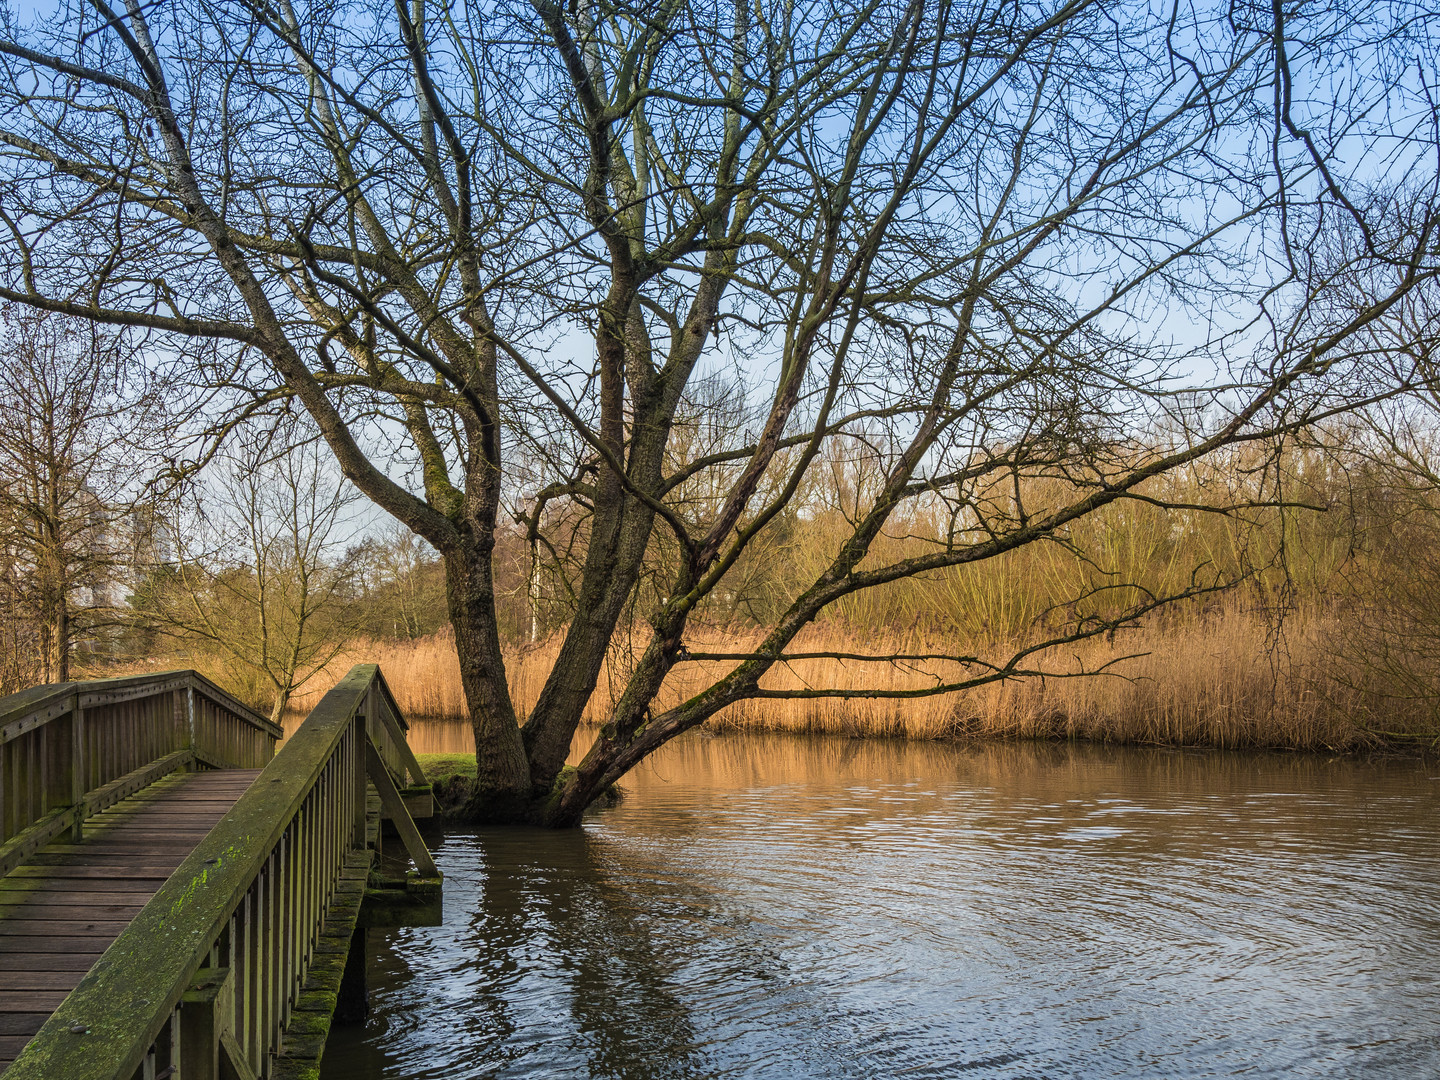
(502,774)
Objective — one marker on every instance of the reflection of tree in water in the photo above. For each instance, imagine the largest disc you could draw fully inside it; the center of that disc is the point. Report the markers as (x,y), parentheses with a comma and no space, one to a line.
(549,900)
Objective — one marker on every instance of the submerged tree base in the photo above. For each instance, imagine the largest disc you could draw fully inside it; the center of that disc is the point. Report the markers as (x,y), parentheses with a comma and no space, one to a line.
(453,777)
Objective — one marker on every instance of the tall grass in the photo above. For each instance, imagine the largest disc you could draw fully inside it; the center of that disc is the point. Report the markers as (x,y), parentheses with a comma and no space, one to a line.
(1222,678)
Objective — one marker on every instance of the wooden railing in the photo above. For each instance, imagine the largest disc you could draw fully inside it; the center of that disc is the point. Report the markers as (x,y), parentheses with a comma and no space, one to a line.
(238,923)
(70,750)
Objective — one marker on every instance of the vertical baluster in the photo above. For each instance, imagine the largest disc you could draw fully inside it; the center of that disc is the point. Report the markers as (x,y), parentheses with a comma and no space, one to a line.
(278,989)
(241,927)
(77,767)
(256,961)
(357,742)
(272,936)
(93,751)
(197,741)
(12,826)
(321,870)
(5,788)
(32,777)
(284,942)
(46,780)
(109,738)
(307,877)
(172,1043)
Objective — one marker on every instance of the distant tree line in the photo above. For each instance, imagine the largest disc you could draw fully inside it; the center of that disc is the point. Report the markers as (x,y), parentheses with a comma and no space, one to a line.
(263,566)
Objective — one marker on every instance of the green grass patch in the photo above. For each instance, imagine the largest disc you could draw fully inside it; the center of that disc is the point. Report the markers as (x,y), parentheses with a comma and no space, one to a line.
(438,767)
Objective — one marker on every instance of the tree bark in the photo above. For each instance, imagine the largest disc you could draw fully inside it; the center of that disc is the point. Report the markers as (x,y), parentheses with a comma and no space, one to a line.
(502,773)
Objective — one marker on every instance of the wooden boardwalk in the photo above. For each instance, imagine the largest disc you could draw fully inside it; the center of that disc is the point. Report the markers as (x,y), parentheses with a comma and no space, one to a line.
(61,910)
(178,899)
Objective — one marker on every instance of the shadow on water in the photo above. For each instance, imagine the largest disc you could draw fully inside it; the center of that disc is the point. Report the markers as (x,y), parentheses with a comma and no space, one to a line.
(781,907)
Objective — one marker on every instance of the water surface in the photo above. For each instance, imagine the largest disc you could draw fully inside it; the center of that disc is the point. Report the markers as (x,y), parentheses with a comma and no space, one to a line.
(779,907)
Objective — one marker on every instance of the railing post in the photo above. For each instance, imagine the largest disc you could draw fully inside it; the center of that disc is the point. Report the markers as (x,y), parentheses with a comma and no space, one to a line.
(77,769)
(205,1014)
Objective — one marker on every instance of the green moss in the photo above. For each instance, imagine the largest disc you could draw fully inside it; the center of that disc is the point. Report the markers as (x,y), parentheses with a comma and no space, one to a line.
(439,767)
(557,789)
(305,1025)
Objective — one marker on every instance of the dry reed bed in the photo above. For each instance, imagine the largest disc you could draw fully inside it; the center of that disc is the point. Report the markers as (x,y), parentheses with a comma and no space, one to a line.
(1224,680)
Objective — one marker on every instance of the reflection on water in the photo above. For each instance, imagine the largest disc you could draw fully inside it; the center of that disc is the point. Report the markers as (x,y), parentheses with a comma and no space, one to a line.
(778,907)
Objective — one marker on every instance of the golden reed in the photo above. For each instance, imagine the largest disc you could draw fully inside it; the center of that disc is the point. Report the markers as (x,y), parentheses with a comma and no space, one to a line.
(1227,678)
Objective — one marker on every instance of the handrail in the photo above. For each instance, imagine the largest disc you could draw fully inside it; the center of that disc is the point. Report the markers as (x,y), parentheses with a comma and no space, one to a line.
(18,708)
(71,749)
(248,904)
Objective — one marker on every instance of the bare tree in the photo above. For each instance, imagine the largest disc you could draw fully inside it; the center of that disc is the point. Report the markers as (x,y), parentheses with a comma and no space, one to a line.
(403,583)
(988,242)
(72,411)
(258,573)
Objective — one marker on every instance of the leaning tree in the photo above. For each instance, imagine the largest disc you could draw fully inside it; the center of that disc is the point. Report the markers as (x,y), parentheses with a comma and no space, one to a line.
(1088,241)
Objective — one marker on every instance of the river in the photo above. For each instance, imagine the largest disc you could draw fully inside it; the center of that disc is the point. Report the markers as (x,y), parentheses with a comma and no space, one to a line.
(782,907)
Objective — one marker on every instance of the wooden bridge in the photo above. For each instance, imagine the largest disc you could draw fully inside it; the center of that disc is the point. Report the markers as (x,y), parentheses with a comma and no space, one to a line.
(178,900)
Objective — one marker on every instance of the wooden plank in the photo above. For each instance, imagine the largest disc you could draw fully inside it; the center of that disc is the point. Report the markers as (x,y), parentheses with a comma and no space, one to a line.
(80,869)
(84,872)
(54,943)
(197,798)
(11,1045)
(21,1025)
(31,1002)
(116,889)
(35,963)
(95,891)
(41,979)
(107,911)
(34,837)
(50,928)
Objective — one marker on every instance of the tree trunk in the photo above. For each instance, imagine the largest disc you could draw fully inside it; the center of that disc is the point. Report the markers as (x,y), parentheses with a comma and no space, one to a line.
(62,640)
(502,774)
(282,702)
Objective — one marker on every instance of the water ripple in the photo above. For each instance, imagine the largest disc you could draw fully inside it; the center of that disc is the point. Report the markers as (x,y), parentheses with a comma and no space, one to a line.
(778,908)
